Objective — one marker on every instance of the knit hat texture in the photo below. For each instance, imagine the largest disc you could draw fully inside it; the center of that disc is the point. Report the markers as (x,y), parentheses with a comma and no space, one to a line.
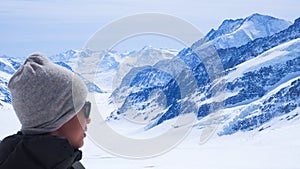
(45,95)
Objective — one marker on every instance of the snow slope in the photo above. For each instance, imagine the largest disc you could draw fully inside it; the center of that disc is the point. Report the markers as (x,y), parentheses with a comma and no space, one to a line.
(276,149)
(278,54)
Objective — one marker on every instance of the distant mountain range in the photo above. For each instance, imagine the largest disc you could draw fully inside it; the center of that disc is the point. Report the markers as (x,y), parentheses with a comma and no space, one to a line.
(261,60)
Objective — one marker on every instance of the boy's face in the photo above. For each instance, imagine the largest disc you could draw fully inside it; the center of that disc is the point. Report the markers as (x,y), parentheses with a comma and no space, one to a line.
(74,129)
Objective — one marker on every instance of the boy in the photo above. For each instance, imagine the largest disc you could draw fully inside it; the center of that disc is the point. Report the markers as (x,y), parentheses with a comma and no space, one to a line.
(50,103)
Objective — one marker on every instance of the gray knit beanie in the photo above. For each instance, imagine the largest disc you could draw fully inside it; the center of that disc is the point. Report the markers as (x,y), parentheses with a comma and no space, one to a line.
(45,95)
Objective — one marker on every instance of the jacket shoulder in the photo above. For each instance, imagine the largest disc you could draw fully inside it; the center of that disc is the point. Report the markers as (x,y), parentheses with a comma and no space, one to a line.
(38,151)
(7,145)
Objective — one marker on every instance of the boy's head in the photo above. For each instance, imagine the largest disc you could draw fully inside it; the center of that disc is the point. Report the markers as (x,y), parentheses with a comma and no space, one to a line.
(45,96)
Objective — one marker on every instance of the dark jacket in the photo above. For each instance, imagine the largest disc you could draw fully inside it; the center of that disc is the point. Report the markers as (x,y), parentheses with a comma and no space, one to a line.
(38,152)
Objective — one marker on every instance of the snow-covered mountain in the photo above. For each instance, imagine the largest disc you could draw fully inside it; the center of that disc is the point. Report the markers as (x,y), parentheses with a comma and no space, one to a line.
(98,70)
(107,69)
(262,83)
(235,33)
(266,87)
(7,67)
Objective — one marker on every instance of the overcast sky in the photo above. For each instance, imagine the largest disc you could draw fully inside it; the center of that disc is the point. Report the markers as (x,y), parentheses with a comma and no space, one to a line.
(54,26)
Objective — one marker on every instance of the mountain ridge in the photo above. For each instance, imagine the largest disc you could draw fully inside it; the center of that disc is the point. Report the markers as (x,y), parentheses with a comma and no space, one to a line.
(235,33)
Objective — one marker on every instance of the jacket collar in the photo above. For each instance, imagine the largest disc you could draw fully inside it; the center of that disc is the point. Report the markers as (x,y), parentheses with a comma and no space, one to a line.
(46,150)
